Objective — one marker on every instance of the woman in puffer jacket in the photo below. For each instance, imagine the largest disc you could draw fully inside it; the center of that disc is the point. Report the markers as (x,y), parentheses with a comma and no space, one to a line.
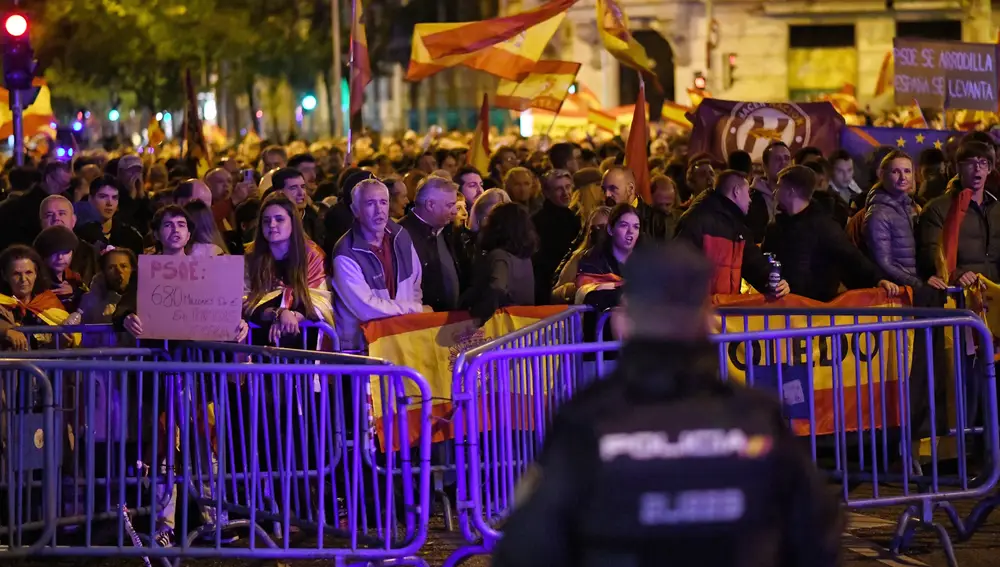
(889,223)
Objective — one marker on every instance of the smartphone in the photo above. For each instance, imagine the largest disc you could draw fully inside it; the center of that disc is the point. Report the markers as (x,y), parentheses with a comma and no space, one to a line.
(248,176)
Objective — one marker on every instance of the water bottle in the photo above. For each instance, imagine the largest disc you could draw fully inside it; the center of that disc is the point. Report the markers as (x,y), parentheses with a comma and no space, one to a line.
(774,276)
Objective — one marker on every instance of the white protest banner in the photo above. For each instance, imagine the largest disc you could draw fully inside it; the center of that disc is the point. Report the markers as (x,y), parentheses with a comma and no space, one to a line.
(190,298)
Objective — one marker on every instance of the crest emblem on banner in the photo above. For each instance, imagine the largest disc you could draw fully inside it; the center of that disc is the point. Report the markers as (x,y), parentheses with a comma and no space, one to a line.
(751,126)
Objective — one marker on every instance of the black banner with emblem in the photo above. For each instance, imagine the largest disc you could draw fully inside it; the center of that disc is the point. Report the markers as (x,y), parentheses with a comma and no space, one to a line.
(724,126)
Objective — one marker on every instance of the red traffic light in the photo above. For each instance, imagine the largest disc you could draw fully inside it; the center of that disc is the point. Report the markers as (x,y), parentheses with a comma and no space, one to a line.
(732,59)
(16,25)
(699,82)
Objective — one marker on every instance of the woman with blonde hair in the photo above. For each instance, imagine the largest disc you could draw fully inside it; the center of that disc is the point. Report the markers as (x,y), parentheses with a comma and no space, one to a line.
(206,240)
(465,237)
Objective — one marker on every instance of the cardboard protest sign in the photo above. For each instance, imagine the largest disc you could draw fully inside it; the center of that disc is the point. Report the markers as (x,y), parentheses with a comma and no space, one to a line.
(945,74)
(190,298)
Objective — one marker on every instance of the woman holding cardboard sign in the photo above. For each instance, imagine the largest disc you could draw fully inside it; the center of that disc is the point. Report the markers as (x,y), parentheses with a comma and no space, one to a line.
(172,227)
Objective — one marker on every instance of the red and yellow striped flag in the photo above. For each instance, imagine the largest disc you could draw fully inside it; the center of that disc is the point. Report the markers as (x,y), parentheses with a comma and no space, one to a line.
(479,153)
(636,157)
(154,133)
(916,119)
(512,59)
(469,37)
(546,87)
(676,114)
(603,120)
(884,82)
(37,117)
(361,70)
(612,22)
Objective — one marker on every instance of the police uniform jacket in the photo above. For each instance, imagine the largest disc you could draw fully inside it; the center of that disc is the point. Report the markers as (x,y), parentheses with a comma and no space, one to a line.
(661,463)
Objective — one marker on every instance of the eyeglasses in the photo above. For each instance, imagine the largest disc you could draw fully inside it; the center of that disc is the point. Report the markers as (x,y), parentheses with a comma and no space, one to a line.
(980,163)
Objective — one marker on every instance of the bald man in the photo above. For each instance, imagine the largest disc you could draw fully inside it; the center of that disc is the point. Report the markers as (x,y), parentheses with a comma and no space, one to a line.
(619,186)
(193,190)
(219,182)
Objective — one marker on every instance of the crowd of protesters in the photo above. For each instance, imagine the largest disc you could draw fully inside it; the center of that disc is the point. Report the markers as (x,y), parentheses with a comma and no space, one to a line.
(413,229)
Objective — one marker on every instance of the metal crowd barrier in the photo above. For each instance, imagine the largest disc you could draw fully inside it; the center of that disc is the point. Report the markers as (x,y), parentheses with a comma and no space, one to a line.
(875,424)
(259,443)
(104,335)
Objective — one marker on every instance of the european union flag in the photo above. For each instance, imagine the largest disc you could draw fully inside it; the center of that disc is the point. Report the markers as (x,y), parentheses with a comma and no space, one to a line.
(860,141)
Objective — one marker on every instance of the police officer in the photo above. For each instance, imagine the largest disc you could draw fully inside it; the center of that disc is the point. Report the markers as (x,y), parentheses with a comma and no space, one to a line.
(662,463)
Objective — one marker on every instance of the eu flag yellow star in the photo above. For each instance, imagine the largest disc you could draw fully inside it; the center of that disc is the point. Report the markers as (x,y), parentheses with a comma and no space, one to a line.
(901,143)
(920,138)
(938,144)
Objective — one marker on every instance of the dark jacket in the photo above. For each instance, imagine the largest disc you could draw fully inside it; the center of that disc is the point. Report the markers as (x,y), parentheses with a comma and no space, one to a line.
(834,206)
(337,221)
(557,229)
(654,222)
(978,237)
(591,492)
(888,231)
(85,262)
(759,214)
(19,217)
(817,256)
(500,279)
(312,224)
(717,227)
(931,188)
(437,292)
(122,235)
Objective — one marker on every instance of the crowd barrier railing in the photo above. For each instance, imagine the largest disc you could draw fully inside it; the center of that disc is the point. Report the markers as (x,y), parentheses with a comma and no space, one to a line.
(566,328)
(105,335)
(264,446)
(882,415)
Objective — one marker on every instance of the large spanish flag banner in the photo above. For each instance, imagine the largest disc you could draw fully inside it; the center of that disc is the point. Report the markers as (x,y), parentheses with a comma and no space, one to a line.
(430,343)
(613,25)
(469,37)
(865,361)
(511,59)
(546,87)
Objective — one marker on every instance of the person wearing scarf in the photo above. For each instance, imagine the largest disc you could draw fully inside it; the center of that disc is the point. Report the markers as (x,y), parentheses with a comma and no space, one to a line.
(27,300)
(55,245)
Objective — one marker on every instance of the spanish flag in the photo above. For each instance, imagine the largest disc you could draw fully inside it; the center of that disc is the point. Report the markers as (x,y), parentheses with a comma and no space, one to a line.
(430,343)
(947,261)
(884,82)
(46,307)
(636,157)
(154,133)
(916,119)
(603,120)
(361,71)
(479,153)
(696,96)
(196,150)
(512,59)
(612,22)
(38,116)
(469,37)
(676,114)
(546,87)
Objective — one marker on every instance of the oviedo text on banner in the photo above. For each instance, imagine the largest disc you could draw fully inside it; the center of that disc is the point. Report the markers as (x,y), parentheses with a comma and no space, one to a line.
(817,373)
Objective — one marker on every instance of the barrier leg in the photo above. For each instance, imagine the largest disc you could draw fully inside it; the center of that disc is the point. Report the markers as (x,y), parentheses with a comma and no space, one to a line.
(439,490)
(980,512)
(909,522)
(463,553)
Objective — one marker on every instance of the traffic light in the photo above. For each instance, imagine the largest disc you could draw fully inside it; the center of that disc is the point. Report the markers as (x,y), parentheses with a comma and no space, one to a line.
(728,70)
(18,56)
(309,103)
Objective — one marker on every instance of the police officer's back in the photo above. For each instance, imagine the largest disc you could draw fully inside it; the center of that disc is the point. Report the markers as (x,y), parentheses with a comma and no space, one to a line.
(663,464)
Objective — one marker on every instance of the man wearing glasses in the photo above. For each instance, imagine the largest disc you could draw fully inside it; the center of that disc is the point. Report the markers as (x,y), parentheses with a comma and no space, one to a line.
(978,219)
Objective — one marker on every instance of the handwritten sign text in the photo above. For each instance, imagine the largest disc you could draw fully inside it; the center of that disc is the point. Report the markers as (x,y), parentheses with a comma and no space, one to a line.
(190,298)
(945,74)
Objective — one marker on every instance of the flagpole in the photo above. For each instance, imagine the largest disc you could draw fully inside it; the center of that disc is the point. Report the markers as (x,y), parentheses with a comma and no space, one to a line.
(350,87)
(335,112)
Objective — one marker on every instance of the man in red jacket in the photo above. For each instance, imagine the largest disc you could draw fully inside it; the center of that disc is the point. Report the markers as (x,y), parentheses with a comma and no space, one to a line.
(716,225)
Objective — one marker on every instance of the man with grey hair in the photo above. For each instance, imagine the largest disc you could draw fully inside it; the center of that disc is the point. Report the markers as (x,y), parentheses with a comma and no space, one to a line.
(57,210)
(376,271)
(430,228)
(662,459)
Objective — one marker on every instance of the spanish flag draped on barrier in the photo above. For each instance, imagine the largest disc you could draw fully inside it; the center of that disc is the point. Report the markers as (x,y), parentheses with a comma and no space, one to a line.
(863,358)
(430,343)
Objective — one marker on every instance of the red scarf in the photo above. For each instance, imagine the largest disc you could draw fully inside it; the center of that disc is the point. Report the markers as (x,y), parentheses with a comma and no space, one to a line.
(949,234)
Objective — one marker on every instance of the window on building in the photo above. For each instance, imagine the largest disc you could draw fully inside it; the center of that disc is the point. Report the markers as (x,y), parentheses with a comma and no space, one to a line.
(821,60)
(945,30)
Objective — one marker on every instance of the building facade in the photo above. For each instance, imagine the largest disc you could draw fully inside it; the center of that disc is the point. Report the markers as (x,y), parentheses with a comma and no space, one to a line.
(782,49)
